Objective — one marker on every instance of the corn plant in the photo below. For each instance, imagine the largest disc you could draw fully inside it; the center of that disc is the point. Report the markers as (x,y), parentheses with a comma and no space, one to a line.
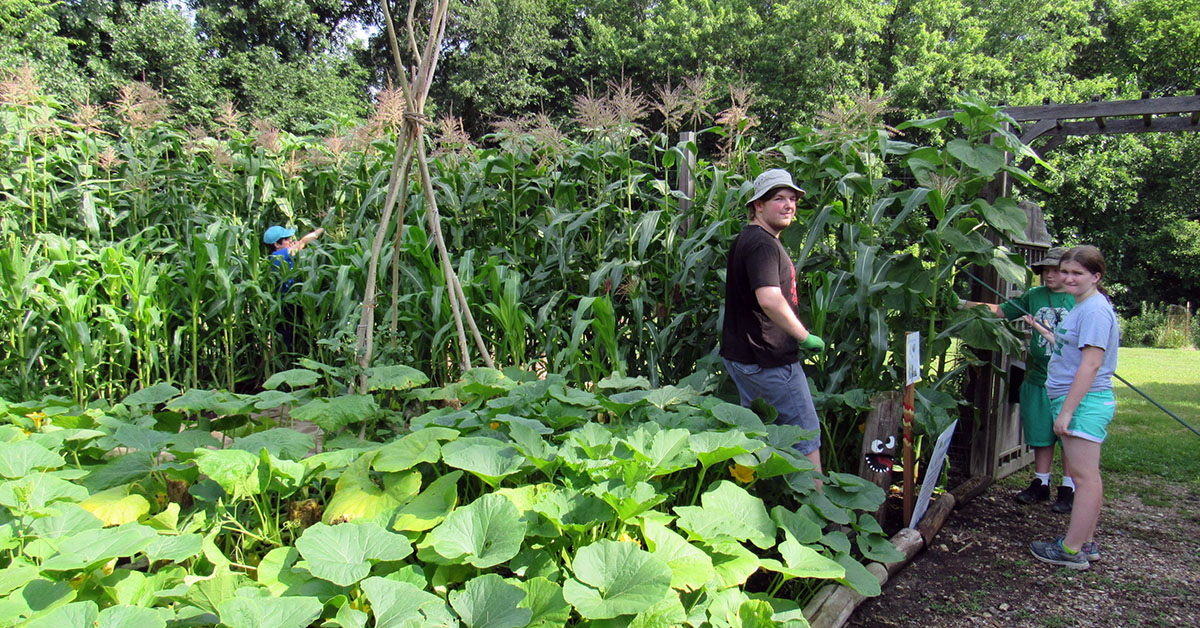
(573,246)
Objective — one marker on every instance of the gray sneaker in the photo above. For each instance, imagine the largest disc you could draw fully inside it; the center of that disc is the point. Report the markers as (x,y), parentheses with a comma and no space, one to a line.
(1052,552)
(1092,549)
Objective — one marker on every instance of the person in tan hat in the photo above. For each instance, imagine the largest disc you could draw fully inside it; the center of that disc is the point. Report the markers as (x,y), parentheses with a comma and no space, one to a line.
(761,335)
(1049,304)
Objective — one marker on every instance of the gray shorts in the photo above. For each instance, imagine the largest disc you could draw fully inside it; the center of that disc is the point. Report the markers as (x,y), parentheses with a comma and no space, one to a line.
(785,388)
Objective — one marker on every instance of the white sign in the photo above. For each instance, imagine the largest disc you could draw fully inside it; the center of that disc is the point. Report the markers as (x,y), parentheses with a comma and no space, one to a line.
(912,358)
(933,473)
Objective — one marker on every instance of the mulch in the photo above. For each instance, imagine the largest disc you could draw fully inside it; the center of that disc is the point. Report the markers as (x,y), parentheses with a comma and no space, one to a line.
(979,572)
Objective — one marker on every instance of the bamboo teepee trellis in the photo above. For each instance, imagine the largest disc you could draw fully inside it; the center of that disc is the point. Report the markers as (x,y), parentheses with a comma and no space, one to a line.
(412,144)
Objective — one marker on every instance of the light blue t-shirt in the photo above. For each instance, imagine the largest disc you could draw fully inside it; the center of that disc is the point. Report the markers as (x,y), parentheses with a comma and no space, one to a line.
(1092,323)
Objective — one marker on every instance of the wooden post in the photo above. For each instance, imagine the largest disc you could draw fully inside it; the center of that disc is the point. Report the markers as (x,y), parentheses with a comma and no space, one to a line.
(879,442)
(912,375)
(909,409)
(686,183)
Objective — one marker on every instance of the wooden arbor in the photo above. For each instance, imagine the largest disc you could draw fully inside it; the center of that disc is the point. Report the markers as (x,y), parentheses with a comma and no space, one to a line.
(1108,117)
(996,448)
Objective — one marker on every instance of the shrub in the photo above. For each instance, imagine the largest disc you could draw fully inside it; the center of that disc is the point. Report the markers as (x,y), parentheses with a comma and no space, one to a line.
(1151,328)
(1141,330)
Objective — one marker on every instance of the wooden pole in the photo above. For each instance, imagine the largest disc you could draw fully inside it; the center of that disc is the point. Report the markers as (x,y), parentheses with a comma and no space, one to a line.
(909,408)
(412,138)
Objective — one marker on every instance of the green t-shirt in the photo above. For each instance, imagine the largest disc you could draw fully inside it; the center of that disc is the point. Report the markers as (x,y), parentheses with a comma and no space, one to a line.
(1049,309)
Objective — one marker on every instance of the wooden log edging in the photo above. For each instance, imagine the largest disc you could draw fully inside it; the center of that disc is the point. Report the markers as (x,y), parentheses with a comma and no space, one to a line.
(833,605)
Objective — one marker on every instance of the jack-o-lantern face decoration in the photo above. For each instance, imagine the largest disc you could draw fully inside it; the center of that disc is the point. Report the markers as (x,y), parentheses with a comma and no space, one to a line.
(881,458)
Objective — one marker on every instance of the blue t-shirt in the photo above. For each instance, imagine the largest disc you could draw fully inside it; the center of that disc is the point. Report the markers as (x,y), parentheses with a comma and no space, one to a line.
(1092,323)
(278,257)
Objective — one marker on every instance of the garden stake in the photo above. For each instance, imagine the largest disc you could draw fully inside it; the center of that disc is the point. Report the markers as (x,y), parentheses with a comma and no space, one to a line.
(909,408)
(1119,378)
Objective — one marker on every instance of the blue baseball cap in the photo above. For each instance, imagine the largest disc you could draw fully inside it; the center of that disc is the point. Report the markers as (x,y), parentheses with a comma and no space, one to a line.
(276,233)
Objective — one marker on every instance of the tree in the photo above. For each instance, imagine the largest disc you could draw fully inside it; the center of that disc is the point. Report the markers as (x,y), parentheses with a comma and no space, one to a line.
(286,60)
(496,58)
(1014,51)
(1137,198)
(1156,43)
(29,36)
(308,90)
(293,28)
(158,46)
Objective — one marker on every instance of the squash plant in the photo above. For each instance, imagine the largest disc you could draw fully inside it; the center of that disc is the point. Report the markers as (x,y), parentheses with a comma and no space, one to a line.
(500,499)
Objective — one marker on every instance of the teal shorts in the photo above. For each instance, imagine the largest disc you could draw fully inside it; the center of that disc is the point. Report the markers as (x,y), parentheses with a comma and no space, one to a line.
(1037,419)
(1091,418)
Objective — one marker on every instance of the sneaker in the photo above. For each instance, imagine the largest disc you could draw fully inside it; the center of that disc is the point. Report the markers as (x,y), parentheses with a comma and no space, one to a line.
(1037,492)
(1092,549)
(1065,500)
(1052,552)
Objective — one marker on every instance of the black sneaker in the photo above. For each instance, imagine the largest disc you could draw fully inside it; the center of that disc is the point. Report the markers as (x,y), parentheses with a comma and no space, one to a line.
(1065,500)
(1037,492)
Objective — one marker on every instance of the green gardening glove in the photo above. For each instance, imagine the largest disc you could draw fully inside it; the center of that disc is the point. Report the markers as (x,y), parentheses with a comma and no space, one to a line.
(813,343)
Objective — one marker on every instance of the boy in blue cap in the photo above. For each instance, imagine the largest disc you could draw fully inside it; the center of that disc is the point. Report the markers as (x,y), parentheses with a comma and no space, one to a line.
(283,249)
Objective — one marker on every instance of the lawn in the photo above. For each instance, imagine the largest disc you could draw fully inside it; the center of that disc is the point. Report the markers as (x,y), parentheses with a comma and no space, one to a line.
(1143,439)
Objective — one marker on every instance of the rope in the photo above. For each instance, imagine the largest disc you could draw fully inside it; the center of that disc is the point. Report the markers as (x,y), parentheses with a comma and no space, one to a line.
(418,119)
(1119,378)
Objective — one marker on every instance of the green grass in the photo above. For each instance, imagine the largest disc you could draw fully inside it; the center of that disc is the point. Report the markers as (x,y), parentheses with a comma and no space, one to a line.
(1143,439)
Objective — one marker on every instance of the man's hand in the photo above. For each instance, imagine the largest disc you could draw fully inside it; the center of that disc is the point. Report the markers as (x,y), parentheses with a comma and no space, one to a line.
(813,343)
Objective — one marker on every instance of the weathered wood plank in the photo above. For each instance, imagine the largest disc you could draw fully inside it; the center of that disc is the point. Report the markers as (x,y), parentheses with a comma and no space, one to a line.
(1168,124)
(1150,106)
(882,431)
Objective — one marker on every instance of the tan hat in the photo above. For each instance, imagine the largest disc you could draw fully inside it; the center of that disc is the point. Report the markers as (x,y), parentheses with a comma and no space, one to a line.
(771,179)
(1051,259)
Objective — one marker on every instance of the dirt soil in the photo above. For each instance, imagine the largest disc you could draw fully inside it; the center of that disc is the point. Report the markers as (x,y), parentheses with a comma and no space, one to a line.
(979,571)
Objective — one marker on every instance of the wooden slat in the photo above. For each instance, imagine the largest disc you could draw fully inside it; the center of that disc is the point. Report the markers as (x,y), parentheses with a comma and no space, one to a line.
(1039,129)
(1151,106)
(1117,127)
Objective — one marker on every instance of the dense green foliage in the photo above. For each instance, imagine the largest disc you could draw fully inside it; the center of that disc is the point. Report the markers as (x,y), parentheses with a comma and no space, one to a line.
(773,67)
(528,499)
(1139,201)
(132,256)
(131,268)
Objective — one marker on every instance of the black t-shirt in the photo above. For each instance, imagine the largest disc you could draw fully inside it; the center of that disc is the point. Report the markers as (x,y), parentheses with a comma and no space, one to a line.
(748,335)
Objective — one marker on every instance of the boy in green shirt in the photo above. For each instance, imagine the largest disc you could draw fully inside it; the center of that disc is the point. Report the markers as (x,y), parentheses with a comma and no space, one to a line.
(1048,304)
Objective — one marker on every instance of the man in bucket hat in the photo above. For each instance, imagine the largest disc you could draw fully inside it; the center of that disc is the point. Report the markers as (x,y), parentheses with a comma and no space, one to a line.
(1049,304)
(762,334)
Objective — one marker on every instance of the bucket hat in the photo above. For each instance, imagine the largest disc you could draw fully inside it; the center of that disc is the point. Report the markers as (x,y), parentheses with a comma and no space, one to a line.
(1051,259)
(275,233)
(771,179)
